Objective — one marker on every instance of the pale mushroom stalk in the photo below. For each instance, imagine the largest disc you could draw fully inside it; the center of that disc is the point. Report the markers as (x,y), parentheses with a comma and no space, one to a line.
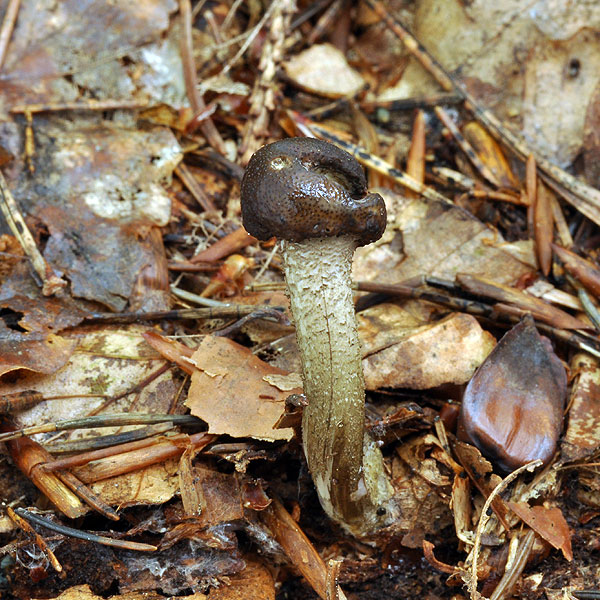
(313,196)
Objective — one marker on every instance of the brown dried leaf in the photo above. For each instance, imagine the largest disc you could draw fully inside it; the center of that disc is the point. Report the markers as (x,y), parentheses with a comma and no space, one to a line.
(107,361)
(543,227)
(230,393)
(548,522)
(533,51)
(582,437)
(219,496)
(302,554)
(40,353)
(512,409)
(591,140)
(420,355)
(83,592)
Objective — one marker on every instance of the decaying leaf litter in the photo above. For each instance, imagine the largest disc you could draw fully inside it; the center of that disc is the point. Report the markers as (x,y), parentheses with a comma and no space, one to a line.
(129,288)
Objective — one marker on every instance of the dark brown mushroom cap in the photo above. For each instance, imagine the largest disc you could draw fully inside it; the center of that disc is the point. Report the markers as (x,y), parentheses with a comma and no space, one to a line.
(300,188)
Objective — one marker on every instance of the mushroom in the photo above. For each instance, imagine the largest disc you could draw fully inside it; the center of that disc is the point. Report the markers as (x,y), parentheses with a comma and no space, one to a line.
(313,197)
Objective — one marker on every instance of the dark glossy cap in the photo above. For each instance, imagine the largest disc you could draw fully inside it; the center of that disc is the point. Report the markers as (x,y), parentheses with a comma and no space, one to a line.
(300,188)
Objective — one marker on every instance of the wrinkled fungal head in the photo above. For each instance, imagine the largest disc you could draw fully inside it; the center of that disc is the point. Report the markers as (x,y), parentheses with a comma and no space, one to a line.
(300,188)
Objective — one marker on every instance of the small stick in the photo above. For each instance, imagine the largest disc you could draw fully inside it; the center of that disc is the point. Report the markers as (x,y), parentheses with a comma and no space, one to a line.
(105,441)
(10,18)
(138,387)
(562,228)
(82,459)
(333,575)
(28,456)
(297,546)
(581,268)
(509,579)
(483,519)
(183,172)
(325,21)
(38,539)
(225,311)
(189,71)
(44,275)
(87,495)
(84,535)
(134,460)
(101,421)
(415,162)
(412,103)
(232,242)
(19,401)
(544,228)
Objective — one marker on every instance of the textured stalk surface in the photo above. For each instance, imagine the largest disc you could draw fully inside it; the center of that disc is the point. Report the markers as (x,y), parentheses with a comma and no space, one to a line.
(346,466)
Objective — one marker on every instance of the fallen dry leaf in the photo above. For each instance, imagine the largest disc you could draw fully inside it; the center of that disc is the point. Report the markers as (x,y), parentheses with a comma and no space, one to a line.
(432,238)
(154,484)
(230,393)
(419,355)
(218,495)
(548,522)
(40,353)
(541,310)
(536,49)
(68,47)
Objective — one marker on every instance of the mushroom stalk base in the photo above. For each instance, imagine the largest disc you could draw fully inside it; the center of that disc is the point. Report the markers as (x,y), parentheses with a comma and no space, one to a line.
(345,464)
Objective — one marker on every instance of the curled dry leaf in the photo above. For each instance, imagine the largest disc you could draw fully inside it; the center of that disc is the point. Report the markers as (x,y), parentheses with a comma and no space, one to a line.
(491,154)
(512,409)
(230,393)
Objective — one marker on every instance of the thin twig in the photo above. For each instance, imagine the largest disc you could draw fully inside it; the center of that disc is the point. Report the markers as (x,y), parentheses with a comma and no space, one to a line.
(45,276)
(101,421)
(38,539)
(483,519)
(189,71)
(10,18)
(84,535)
(91,104)
(187,178)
